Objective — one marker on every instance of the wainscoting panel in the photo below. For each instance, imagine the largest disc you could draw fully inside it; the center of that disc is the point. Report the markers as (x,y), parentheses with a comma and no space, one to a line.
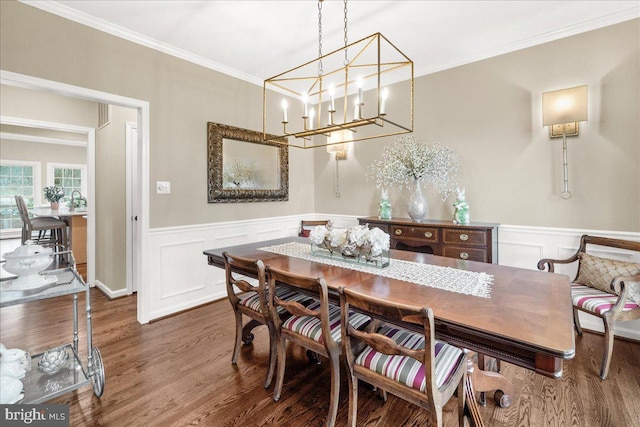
(175,280)
(182,279)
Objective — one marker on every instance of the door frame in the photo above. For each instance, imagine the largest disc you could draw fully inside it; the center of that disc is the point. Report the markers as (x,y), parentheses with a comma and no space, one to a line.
(132,205)
(36,83)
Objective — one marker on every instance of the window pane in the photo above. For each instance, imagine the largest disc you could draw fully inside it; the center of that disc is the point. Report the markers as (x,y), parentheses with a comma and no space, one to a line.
(15,180)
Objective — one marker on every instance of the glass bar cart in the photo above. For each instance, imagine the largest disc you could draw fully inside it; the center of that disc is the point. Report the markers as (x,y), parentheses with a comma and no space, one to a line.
(39,385)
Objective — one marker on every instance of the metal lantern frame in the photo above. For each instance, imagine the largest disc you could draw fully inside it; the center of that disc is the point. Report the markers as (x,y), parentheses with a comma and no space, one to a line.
(373,58)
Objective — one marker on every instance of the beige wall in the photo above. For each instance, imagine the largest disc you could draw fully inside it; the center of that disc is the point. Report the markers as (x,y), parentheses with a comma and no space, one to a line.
(183,97)
(490,113)
(44,106)
(111,220)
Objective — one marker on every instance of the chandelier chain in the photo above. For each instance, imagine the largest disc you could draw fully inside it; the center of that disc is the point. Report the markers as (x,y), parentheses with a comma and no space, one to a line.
(320,68)
(346,39)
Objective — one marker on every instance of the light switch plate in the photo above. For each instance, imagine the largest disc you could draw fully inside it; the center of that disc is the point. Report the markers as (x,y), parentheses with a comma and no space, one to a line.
(163,187)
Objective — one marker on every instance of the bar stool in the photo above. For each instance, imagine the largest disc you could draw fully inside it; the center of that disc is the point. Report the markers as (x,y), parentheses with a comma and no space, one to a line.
(52,232)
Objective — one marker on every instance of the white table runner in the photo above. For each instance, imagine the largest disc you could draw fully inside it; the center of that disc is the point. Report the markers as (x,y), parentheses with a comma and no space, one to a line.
(446,278)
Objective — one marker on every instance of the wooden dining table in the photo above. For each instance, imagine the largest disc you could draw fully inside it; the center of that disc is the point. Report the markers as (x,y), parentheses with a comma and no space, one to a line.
(526,321)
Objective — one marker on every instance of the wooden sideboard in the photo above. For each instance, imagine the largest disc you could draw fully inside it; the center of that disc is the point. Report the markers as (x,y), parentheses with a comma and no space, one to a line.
(476,241)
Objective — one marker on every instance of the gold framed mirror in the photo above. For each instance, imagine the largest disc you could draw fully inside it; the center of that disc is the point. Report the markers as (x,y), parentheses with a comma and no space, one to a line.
(242,167)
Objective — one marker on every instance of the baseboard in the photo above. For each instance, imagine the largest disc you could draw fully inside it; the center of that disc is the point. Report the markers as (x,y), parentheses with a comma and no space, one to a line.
(108,292)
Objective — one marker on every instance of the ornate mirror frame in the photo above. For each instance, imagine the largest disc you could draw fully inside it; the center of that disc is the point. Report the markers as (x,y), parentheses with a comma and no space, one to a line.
(216,133)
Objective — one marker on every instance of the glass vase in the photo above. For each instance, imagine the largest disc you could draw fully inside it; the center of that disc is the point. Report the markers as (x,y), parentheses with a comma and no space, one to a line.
(418,206)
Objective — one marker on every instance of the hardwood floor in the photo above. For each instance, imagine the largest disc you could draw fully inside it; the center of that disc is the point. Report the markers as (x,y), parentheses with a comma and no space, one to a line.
(177,372)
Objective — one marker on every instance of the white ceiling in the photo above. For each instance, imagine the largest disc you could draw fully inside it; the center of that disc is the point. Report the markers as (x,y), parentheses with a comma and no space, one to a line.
(254,40)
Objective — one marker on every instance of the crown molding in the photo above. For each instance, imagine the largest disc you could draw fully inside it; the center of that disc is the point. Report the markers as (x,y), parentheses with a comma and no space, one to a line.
(132,36)
(572,30)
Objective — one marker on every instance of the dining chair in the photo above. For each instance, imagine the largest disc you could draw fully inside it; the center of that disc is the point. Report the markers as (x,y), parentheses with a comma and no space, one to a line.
(315,327)
(52,232)
(413,366)
(603,287)
(251,301)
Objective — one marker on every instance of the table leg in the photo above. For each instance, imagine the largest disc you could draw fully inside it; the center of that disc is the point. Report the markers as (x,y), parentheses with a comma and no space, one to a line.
(247,335)
(485,380)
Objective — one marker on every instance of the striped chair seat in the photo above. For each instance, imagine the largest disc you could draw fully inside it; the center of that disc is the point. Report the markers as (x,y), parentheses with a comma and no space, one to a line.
(406,370)
(310,326)
(596,301)
(252,300)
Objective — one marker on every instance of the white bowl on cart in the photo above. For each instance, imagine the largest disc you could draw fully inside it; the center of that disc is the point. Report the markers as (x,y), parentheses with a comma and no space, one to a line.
(27,262)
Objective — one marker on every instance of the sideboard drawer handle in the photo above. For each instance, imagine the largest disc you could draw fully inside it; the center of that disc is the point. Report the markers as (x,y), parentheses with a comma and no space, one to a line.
(464,237)
(464,255)
(428,234)
(398,232)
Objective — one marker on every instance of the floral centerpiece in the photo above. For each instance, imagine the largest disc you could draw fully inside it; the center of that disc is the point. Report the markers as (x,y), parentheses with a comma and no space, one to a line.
(408,162)
(53,194)
(358,243)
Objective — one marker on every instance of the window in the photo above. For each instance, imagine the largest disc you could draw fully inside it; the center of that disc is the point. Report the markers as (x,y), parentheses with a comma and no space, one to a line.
(69,177)
(17,178)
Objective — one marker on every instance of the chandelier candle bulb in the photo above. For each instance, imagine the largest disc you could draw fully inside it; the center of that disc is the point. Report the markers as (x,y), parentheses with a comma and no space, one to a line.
(356,110)
(305,101)
(332,93)
(284,111)
(311,114)
(383,101)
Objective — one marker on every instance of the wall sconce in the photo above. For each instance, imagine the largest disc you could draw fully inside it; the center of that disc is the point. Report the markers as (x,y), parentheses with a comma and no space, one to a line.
(561,111)
(339,143)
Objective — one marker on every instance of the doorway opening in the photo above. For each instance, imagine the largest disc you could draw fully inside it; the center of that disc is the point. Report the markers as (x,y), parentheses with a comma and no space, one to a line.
(139,179)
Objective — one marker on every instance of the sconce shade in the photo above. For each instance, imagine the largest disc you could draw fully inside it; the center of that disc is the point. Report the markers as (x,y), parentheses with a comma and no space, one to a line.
(338,143)
(564,106)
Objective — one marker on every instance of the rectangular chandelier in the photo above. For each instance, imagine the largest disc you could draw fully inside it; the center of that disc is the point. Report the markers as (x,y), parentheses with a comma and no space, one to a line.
(365,87)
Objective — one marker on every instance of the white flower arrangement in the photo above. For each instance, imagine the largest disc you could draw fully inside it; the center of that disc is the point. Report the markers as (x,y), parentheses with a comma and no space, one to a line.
(407,160)
(53,193)
(355,242)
